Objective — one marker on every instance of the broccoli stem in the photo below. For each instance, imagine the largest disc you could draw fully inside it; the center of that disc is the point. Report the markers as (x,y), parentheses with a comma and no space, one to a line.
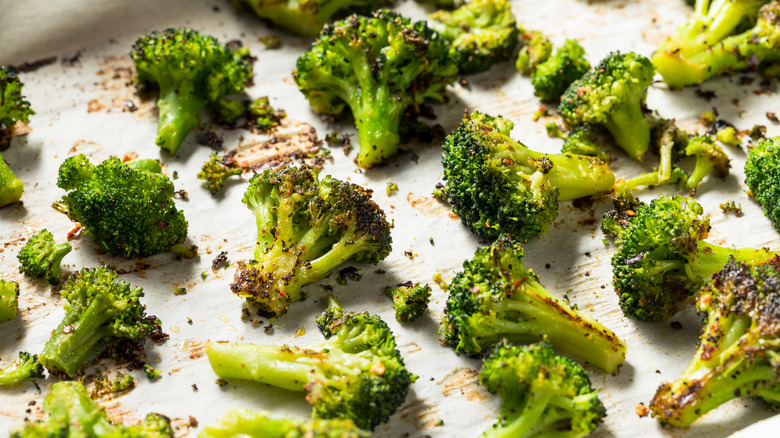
(519,423)
(179,115)
(377,118)
(10,186)
(630,128)
(146,165)
(709,259)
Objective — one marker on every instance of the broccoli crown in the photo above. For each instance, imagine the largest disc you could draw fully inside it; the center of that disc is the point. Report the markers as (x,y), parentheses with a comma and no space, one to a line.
(378,66)
(496,297)
(9,300)
(481,33)
(191,70)
(11,187)
(306,228)
(497,185)
(71,412)
(214,172)
(552,77)
(41,256)
(536,48)
(762,175)
(23,368)
(612,95)
(579,141)
(542,393)
(128,211)
(13,107)
(100,309)
(409,300)
(251,424)
(738,351)
(710,158)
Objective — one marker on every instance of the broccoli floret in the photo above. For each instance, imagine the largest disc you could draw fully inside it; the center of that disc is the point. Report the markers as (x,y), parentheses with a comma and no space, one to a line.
(9,300)
(580,141)
(11,187)
(100,310)
(496,297)
(497,185)
(152,373)
(409,300)
(306,228)
(251,424)
(191,70)
(552,77)
(738,348)
(378,66)
(481,33)
(536,48)
(71,413)
(263,116)
(542,393)
(214,172)
(762,175)
(41,256)
(357,374)
(612,95)
(720,37)
(13,107)
(127,208)
(662,259)
(728,136)
(23,368)
(230,110)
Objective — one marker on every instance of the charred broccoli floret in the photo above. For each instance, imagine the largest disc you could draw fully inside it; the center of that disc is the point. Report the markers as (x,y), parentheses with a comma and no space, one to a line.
(552,77)
(306,228)
(409,300)
(579,141)
(762,175)
(13,107)
(264,117)
(42,257)
(497,185)
(23,368)
(496,297)
(251,424)
(191,70)
(378,66)
(214,172)
(535,49)
(357,374)
(9,300)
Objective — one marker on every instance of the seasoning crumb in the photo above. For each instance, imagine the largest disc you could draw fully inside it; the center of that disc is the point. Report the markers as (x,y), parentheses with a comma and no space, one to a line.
(642,410)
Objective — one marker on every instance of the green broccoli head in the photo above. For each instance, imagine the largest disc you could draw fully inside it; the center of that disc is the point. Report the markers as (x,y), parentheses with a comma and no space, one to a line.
(481,33)
(128,210)
(251,424)
(762,175)
(579,141)
(23,368)
(612,95)
(536,48)
(42,257)
(552,77)
(9,300)
(191,70)
(409,300)
(13,106)
(214,172)
(378,66)
(306,228)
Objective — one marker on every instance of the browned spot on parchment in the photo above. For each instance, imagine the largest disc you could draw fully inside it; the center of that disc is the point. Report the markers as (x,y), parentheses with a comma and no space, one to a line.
(292,142)
(116,76)
(464,382)
(420,413)
(428,205)
(195,349)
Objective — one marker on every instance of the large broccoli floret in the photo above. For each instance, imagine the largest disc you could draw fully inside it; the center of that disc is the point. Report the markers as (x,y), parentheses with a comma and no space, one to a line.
(128,208)
(536,48)
(542,393)
(100,310)
(552,77)
(13,108)
(738,349)
(23,368)
(9,300)
(214,173)
(497,185)
(357,374)
(41,256)
(378,66)
(409,300)
(306,228)
(250,424)
(72,413)
(720,37)
(481,33)
(762,175)
(496,297)
(191,70)
(612,95)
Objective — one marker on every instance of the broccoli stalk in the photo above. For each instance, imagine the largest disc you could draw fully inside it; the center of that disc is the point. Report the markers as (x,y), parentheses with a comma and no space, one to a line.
(41,256)
(214,172)
(552,77)
(11,187)
(251,424)
(9,300)
(23,368)
(762,175)
(409,300)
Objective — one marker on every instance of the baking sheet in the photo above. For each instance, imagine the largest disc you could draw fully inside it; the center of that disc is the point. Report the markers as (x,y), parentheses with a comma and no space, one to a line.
(80,103)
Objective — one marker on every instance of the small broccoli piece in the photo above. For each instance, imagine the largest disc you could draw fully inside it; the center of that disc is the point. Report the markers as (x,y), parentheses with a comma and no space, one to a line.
(728,136)
(123,383)
(72,413)
(378,66)
(191,70)
(738,348)
(579,141)
(481,33)
(306,228)
(264,117)
(152,373)
(762,175)
(23,368)
(357,374)
(9,300)
(214,172)
(536,48)
(11,187)
(552,77)
(251,424)
(497,185)
(128,210)
(13,107)
(100,309)
(496,297)
(542,393)
(612,95)
(617,219)
(230,110)
(409,300)
(42,257)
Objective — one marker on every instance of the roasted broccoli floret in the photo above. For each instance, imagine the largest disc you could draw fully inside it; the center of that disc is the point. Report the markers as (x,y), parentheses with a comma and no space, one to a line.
(72,413)
(357,374)
(552,77)
(496,297)
(481,33)
(128,208)
(409,300)
(9,300)
(662,259)
(11,187)
(13,107)
(100,310)
(378,66)
(738,349)
(263,116)
(535,49)
(612,95)
(579,141)
(542,393)
(250,424)
(762,175)
(720,37)
(191,70)
(41,256)
(497,185)
(23,368)
(306,228)
(214,172)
